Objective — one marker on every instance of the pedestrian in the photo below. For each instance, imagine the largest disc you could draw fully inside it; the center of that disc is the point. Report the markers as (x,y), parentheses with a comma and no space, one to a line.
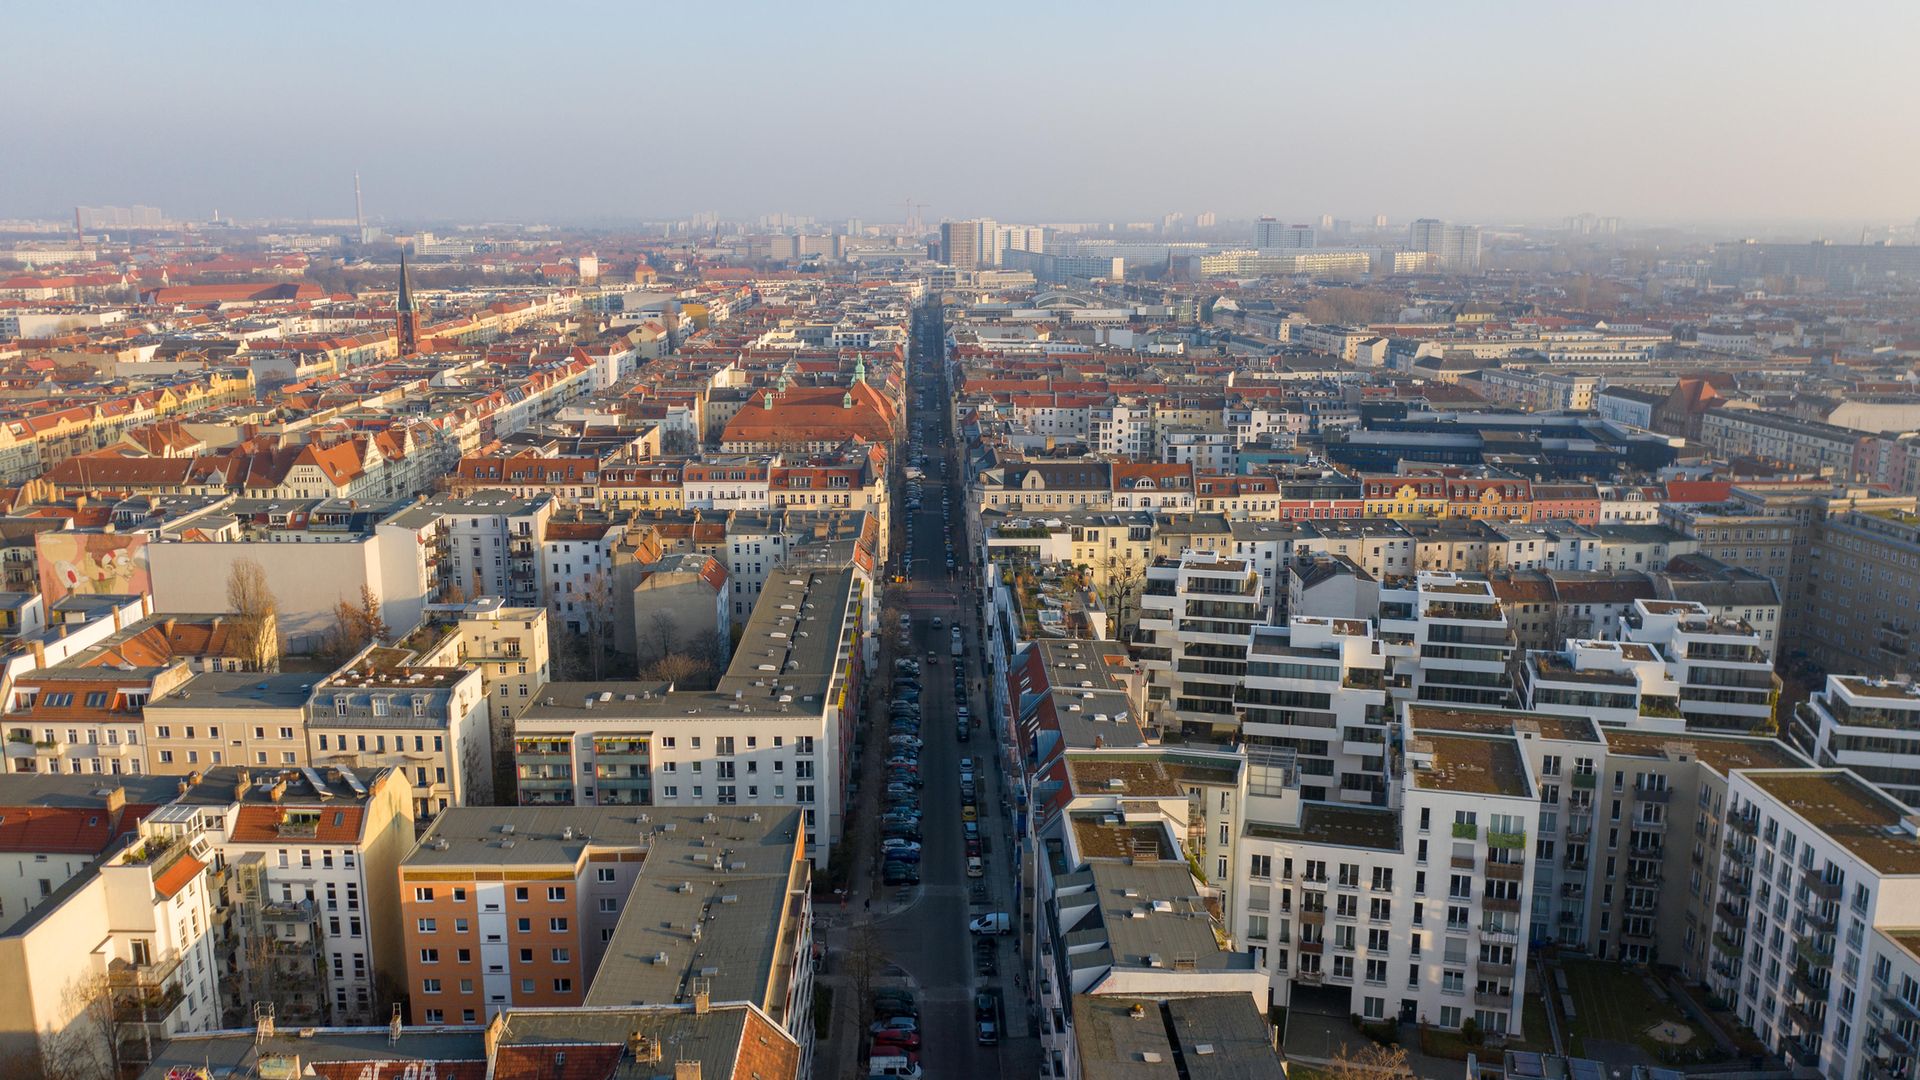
(869,903)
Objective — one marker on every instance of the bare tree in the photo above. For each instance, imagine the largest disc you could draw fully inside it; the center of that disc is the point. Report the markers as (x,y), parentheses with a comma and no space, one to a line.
(355,626)
(256,614)
(1370,1062)
(864,963)
(90,1046)
(676,668)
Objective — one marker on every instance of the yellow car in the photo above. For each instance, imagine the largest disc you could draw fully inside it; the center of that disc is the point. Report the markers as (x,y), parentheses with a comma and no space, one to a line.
(968,813)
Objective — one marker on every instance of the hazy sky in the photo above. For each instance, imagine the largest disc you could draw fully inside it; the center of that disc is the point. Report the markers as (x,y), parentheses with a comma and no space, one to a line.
(1675,110)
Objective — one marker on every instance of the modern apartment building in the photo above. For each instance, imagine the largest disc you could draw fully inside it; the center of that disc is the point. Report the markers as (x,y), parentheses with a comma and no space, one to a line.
(1723,666)
(1867,725)
(1448,639)
(1195,617)
(1316,689)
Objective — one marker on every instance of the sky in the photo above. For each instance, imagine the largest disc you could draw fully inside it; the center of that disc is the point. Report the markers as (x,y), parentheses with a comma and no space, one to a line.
(1677,112)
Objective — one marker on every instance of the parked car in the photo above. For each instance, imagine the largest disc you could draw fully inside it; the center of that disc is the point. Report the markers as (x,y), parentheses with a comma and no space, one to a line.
(996,922)
(976,868)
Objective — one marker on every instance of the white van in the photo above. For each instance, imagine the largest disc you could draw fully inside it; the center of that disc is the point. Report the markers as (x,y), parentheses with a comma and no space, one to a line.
(893,1065)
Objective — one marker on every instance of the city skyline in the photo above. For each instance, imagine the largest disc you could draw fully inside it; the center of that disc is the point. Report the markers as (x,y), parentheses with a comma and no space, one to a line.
(1049,115)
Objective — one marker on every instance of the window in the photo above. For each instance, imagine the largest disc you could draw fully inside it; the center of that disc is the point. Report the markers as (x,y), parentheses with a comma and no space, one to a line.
(609,904)
(558,926)
(556,892)
(520,894)
(524,926)
(563,986)
(429,986)
(419,895)
(428,926)
(429,956)
(604,873)
(562,956)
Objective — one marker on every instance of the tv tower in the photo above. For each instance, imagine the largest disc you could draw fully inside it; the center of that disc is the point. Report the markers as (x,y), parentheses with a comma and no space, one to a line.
(359,213)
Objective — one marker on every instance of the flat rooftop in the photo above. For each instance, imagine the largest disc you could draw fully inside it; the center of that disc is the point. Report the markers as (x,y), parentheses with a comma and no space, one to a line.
(1470,764)
(239,690)
(1722,753)
(1133,777)
(1333,823)
(1100,835)
(1849,811)
(1500,722)
(1221,1036)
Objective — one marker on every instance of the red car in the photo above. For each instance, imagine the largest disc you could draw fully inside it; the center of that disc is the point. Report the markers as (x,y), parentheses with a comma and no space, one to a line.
(909,1040)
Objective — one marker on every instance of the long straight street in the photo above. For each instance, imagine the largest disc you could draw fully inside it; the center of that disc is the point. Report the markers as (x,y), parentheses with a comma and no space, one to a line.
(920,932)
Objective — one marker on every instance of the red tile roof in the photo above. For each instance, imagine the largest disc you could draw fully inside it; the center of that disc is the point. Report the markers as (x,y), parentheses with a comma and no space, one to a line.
(177,876)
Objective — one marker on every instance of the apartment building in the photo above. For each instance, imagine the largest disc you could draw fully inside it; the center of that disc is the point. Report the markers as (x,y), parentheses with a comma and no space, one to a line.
(1448,639)
(776,730)
(506,645)
(1823,449)
(599,906)
(1349,907)
(1822,885)
(309,919)
(383,711)
(1316,689)
(53,828)
(1723,666)
(221,718)
(1863,590)
(1867,725)
(132,935)
(1195,616)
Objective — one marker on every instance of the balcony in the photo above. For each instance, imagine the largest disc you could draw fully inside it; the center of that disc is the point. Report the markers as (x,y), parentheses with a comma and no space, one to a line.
(1493,999)
(1818,885)
(1653,794)
(1656,826)
(1496,933)
(1309,978)
(1312,948)
(1747,822)
(1579,828)
(287,911)
(1805,1052)
(1813,952)
(1584,781)
(1633,931)
(1736,884)
(1732,912)
(1647,874)
(1465,830)
(1464,862)
(1822,921)
(1506,871)
(1510,841)
(151,1005)
(1804,982)
(1725,968)
(124,973)
(1313,916)
(1573,890)
(1569,918)
(1501,903)
(1800,1018)
(1498,969)
(1900,1006)
(1739,855)
(1727,945)
(1894,1038)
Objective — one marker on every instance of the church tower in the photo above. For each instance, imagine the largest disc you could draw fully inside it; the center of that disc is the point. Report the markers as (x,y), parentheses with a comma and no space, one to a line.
(404,313)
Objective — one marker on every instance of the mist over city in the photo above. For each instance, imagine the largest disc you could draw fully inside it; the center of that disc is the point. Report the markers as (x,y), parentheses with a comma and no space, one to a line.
(785,542)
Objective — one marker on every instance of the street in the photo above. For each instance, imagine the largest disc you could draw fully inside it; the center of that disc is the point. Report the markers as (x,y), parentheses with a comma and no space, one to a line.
(920,931)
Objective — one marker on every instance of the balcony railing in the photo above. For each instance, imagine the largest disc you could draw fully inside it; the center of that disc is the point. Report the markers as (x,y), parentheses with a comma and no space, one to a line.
(1584,780)
(1501,903)
(1747,822)
(1465,830)
(1506,871)
(1727,945)
(1511,841)
(125,973)
(1800,1018)
(1804,982)
(1814,952)
(1804,1051)
(1494,932)
(1499,969)
(1653,794)
(1493,999)
(1818,885)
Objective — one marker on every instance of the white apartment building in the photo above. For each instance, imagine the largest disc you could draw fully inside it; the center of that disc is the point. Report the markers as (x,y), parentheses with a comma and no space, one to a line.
(1449,640)
(1316,689)
(1823,888)
(1355,908)
(1871,726)
(1195,617)
(1723,667)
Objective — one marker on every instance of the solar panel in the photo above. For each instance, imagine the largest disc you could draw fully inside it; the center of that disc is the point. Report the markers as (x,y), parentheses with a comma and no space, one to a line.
(353,782)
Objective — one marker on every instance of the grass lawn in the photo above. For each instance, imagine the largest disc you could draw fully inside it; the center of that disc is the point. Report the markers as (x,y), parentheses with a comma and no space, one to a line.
(1297,1071)
(1612,1001)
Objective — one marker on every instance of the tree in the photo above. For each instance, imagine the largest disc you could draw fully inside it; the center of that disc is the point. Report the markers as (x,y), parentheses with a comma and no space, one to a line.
(676,668)
(355,626)
(90,1046)
(256,615)
(1370,1062)
(864,963)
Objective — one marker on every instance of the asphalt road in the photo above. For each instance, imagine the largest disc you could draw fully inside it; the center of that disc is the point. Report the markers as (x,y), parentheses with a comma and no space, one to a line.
(922,930)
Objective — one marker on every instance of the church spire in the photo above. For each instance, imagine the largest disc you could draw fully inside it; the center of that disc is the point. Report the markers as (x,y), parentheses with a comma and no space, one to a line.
(405,316)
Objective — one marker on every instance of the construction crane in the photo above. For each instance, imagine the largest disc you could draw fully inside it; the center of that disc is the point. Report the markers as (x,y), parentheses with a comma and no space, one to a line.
(912,215)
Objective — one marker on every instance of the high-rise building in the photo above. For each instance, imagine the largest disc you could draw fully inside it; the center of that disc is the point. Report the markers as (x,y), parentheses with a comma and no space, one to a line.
(960,244)
(1456,247)
(1271,235)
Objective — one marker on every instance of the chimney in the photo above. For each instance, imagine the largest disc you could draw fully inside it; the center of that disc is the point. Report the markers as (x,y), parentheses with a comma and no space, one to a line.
(278,791)
(39,655)
(116,799)
(686,1070)
(241,779)
(166,628)
(702,998)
